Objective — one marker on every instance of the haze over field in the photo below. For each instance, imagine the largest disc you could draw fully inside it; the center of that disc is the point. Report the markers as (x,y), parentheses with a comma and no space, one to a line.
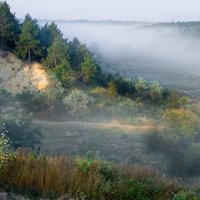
(136,41)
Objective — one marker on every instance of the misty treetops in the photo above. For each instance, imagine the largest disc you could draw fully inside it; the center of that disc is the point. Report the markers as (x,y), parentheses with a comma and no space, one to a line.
(69,60)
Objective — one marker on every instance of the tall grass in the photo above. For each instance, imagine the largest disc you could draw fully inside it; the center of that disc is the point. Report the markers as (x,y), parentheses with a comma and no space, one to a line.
(89,177)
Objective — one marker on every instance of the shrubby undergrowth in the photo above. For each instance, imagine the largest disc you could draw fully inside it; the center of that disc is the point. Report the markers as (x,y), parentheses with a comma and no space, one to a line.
(21,131)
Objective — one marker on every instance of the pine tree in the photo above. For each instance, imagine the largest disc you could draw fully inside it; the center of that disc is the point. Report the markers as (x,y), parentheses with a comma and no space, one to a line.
(47,35)
(57,53)
(28,42)
(9,25)
(88,68)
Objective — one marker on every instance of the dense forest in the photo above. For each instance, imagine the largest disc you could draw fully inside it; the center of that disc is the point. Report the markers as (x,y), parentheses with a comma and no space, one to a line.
(91,134)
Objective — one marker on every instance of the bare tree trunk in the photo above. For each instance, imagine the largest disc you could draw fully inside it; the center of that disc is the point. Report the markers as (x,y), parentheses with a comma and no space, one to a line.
(29,52)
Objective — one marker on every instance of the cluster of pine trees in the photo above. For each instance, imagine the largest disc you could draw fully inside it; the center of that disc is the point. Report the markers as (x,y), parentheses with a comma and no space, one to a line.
(69,60)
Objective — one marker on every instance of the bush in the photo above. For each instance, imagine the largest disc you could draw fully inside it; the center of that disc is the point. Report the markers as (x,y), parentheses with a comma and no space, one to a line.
(182,122)
(78,101)
(21,131)
(35,102)
(182,156)
(5,97)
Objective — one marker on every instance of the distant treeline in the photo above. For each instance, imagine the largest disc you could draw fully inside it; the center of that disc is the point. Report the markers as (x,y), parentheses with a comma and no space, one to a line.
(109,22)
(188,25)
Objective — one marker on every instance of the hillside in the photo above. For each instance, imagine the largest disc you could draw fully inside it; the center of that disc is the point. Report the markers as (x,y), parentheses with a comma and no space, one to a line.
(17,76)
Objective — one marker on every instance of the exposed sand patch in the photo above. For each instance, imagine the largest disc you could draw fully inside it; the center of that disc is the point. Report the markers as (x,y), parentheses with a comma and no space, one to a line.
(16,77)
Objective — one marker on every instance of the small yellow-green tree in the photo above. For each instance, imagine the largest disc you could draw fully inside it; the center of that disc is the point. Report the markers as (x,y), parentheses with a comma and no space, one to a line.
(112,88)
(154,90)
(140,84)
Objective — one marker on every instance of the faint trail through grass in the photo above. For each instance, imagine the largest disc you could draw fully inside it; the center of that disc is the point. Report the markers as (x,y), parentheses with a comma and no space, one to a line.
(92,124)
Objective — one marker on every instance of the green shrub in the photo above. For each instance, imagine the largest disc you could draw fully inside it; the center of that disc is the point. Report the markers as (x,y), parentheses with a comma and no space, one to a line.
(33,101)
(166,93)
(78,101)
(21,131)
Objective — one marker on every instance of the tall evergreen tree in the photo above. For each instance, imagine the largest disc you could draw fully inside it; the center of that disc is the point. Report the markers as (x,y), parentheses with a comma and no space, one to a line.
(88,68)
(73,46)
(47,35)
(28,42)
(57,53)
(9,26)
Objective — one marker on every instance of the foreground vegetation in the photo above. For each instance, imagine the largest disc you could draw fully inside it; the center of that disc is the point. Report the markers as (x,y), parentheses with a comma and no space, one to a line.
(89,177)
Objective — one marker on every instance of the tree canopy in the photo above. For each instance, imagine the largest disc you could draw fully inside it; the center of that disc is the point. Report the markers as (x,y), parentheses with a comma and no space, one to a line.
(57,53)
(28,42)
(9,26)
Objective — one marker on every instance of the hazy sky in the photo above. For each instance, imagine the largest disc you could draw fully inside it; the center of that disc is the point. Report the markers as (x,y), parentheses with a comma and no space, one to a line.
(132,10)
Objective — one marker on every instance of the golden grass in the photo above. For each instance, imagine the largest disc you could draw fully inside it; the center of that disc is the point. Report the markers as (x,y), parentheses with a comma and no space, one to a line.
(94,178)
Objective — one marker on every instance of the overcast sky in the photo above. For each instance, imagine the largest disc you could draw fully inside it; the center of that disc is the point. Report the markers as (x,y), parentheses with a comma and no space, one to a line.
(132,10)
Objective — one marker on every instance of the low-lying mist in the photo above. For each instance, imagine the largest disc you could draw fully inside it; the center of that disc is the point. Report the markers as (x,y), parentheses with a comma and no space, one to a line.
(130,41)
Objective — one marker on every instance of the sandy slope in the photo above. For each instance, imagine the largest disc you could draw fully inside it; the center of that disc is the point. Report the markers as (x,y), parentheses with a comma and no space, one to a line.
(15,76)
